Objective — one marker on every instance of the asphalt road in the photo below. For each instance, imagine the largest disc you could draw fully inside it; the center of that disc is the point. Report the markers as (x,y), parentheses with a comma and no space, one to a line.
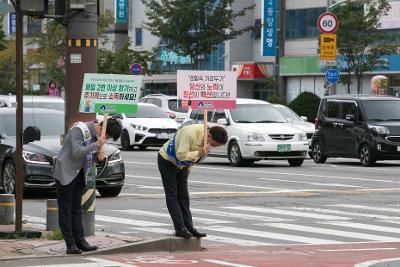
(267,203)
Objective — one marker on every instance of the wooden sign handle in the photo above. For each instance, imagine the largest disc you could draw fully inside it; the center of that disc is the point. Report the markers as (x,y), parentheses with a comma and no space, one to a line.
(104,128)
(205,128)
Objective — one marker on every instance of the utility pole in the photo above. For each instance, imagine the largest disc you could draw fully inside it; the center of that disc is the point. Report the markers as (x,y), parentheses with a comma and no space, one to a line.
(80,56)
(281,46)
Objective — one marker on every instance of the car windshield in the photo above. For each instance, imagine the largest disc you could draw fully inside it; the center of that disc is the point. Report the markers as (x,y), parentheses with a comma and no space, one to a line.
(145,111)
(288,113)
(173,105)
(56,127)
(382,110)
(256,113)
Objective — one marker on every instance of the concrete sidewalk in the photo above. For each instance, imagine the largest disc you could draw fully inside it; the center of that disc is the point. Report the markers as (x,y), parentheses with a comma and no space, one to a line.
(108,244)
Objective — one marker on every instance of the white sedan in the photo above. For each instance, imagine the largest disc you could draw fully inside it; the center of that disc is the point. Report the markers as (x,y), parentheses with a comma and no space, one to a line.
(150,126)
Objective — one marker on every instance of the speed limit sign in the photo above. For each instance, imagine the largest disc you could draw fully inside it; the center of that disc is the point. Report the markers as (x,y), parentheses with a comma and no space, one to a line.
(327,22)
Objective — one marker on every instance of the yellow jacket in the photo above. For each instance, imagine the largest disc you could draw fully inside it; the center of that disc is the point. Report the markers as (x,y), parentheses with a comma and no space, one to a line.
(189,141)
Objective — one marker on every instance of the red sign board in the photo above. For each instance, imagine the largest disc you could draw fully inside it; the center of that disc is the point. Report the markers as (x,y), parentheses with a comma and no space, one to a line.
(252,71)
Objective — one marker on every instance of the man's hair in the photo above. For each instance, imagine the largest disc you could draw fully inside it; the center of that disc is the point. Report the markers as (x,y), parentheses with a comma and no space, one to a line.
(114,128)
(219,134)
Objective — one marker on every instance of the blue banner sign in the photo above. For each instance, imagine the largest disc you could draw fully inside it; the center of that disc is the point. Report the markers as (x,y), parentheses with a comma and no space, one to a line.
(173,58)
(332,76)
(269,28)
(121,15)
(11,23)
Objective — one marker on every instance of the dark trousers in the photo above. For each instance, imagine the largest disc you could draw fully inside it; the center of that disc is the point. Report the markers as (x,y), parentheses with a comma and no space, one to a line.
(69,198)
(176,193)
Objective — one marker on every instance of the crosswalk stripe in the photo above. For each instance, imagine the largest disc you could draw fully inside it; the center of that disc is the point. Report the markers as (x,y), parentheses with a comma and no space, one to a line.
(366,207)
(127,221)
(271,235)
(319,230)
(365,226)
(311,183)
(238,215)
(164,215)
(220,239)
(225,263)
(369,215)
(288,213)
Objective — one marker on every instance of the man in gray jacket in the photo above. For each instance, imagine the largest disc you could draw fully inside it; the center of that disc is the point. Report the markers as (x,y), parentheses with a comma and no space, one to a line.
(83,140)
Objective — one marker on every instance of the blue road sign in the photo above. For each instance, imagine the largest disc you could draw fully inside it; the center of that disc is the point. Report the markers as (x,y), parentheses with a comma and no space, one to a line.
(136,69)
(332,76)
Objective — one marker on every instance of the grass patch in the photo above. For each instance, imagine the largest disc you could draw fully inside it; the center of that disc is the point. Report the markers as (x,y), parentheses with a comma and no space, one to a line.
(55,235)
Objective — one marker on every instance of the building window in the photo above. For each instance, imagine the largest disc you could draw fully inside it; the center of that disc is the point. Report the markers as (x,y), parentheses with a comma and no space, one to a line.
(256,34)
(302,23)
(138,37)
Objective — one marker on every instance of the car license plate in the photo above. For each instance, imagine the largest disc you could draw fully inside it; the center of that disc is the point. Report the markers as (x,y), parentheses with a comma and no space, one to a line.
(163,136)
(284,148)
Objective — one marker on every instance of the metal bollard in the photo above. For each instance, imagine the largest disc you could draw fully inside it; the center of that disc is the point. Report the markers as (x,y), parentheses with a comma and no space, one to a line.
(52,215)
(7,207)
(88,211)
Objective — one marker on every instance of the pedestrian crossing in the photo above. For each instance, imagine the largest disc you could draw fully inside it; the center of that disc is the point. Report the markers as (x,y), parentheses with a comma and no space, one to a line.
(256,225)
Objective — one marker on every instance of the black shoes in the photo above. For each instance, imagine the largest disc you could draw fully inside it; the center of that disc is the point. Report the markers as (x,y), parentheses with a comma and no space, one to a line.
(197,234)
(73,250)
(183,233)
(84,245)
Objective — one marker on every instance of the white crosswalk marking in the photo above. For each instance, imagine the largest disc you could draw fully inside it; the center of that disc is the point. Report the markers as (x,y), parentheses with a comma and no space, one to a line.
(238,215)
(311,183)
(289,213)
(271,235)
(319,230)
(360,207)
(127,221)
(363,226)
(166,215)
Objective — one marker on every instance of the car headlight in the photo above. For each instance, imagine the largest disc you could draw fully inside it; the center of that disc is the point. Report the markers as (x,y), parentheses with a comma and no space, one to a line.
(114,157)
(379,129)
(139,127)
(37,158)
(302,137)
(255,137)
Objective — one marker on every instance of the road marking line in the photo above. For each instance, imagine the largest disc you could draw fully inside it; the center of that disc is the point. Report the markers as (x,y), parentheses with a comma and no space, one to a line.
(238,215)
(373,262)
(356,249)
(214,238)
(164,215)
(146,186)
(271,235)
(363,226)
(326,231)
(366,207)
(108,263)
(127,221)
(288,213)
(321,184)
(225,263)
(369,215)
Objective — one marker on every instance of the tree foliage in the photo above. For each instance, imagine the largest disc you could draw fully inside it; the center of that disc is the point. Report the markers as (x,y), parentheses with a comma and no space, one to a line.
(360,40)
(193,27)
(306,104)
(7,69)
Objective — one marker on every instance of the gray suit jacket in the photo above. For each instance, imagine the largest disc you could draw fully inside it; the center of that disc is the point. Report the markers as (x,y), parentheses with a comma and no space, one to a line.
(71,157)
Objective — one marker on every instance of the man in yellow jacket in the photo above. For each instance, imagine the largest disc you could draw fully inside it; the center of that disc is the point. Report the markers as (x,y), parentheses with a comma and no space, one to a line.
(175,159)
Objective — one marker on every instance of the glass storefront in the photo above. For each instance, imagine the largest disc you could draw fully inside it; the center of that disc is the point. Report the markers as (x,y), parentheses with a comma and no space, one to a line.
(302,23)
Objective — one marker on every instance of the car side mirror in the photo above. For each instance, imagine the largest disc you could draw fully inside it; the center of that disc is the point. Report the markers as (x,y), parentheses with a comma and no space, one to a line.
(304,118)
(31,133)
(222,121)
(350,117)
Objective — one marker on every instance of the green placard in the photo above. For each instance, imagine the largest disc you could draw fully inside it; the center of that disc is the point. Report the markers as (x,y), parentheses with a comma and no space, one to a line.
(110,93)
(115,108)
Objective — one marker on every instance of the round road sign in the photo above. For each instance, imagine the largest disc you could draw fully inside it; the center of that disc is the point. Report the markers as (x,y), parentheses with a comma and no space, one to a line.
(136,69)
(327,22)
(332,76)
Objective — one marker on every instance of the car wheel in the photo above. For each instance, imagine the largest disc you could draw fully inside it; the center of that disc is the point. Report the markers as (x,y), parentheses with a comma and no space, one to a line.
(295,162)
(235,156)
(8,177)
(317,153)
(125,141)
(109,191)
(366,157)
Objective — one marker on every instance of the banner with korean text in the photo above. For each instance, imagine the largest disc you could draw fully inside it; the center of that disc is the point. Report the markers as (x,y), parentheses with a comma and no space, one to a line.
(207,89)
(268,33)
(110,93)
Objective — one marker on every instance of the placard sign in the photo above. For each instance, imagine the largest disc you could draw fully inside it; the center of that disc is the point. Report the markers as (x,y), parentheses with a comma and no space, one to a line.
(110,93)
(207,89)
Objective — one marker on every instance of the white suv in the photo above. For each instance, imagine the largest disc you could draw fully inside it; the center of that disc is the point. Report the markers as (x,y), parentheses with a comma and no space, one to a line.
(167,103)
(256,131)
(34,101)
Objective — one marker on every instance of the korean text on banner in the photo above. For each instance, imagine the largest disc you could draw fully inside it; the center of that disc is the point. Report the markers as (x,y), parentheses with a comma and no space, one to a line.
(207,89)
(110,93)
(269,28)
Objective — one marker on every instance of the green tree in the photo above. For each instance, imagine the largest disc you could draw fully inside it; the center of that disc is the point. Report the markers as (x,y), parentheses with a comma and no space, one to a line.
(306,104)
(7,68)
(360,40)
(193,27)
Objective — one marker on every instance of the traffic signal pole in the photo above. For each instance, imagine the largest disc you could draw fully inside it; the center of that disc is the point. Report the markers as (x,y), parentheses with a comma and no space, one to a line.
(80,58)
